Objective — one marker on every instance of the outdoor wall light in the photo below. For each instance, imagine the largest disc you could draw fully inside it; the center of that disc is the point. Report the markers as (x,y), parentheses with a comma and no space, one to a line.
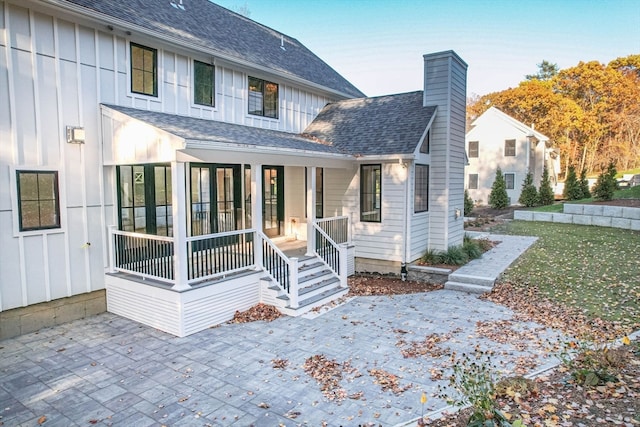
(75,135)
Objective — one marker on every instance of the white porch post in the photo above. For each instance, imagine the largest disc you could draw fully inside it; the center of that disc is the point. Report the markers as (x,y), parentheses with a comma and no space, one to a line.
(256,212)
(311,209)
(112,248)
(343,263)
(293,284)
(178,209)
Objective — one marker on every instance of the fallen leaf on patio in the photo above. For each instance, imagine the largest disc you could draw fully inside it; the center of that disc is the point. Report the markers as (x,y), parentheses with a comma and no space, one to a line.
(42,420)
(258,312)
(263,405)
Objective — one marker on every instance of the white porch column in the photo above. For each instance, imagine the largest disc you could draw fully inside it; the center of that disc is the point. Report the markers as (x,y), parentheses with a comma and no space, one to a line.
(256,211)
(311,209)
(179,213)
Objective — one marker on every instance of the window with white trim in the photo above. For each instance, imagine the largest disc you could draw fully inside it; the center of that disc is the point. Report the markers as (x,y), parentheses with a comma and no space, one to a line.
(263,98)
(421,189)
(473,149)
(510,147)
(510,181)
(38,200)
(473,181)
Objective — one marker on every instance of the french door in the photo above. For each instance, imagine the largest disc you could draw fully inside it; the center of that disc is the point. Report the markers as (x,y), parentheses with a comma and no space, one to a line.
(273,200)
(216,198)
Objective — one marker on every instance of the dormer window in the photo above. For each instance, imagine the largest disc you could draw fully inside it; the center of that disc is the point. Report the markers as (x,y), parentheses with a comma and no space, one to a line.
(263,98)
(144,70)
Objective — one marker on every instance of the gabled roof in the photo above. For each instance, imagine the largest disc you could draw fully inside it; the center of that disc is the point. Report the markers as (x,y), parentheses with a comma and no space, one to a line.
(203,130)
(493,111)
(392,124)
(218,31)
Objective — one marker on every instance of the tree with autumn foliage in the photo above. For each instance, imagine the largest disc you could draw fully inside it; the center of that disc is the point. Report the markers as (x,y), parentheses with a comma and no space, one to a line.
(591,112)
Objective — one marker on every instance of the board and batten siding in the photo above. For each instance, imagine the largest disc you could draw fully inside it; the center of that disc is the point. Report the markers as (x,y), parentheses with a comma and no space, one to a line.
(54,73)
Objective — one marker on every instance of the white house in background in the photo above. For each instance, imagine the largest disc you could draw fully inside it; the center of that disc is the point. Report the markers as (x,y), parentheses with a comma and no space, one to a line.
(160,156)
(497,140)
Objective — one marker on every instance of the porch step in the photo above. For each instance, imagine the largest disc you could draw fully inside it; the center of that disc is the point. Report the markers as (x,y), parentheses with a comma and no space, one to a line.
(317,285)
(318,300)
(467,287)
(473,280)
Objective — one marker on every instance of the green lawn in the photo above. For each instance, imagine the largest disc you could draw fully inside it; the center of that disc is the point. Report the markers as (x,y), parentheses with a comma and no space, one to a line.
(595,269)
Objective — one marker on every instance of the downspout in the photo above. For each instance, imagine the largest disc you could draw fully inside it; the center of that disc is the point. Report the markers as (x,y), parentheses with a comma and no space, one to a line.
(405,229)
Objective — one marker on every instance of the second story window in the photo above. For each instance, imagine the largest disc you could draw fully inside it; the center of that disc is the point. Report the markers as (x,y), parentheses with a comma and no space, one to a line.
(144,70)
(203,84)
(510,147)
(263,98)
(473,149)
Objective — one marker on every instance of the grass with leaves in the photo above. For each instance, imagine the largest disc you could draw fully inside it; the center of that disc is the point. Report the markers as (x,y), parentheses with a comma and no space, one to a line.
(593,269)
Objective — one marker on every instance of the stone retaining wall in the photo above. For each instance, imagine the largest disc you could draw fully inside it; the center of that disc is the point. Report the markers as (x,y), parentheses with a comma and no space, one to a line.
(23,320)
(599,215)
(421,273)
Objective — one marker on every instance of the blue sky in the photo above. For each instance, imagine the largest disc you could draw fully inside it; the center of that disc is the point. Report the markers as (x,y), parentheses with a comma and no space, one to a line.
(378,45)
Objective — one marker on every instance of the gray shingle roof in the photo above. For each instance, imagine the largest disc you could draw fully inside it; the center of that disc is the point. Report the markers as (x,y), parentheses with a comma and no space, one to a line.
(390,124)
(216,29)
(195,129)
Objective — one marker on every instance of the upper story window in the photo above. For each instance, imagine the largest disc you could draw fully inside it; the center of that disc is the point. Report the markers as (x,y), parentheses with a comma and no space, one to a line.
(473,149)
(263,98)
(473,181)
(510,147)
(421,188)
(370,193)
(38,200)
(203,84)
(144,70)
(510,181)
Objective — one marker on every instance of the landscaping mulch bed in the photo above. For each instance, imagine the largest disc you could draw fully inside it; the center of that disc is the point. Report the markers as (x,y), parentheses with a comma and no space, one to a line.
(365,285)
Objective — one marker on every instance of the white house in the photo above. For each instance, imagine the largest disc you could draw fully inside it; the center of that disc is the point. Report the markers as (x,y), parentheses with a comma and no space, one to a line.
(156,155)
(497,140)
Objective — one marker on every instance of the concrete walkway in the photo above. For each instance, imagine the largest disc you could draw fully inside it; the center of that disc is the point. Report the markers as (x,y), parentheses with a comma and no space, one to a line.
(107,370)
(479,275)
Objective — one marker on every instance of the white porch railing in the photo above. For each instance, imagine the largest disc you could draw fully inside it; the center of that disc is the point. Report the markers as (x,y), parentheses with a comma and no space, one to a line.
(337,228)
(280,268)
(208,256)
(334,255)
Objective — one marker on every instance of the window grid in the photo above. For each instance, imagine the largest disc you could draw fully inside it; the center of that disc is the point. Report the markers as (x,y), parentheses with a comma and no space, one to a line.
(510,147)
(144,70)
(263,98)
(510,180)
(473,181)
(370,193)
(473,149)
(38,200)
(421,196)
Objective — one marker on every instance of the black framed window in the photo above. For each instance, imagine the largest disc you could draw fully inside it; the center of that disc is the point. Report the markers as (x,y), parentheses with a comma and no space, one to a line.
(38,200)
(203,84)
(421,189)
(144,70)
(473,181)
(510,181)
(473,149)
(510,147)
(263,98)
(371,193)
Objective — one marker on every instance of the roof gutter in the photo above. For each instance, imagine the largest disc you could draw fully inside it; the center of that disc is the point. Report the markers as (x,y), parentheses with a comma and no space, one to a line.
(201,144)
(102,18)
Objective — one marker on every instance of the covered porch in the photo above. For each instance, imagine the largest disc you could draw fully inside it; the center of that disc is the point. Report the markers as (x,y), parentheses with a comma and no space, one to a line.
(203,230)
